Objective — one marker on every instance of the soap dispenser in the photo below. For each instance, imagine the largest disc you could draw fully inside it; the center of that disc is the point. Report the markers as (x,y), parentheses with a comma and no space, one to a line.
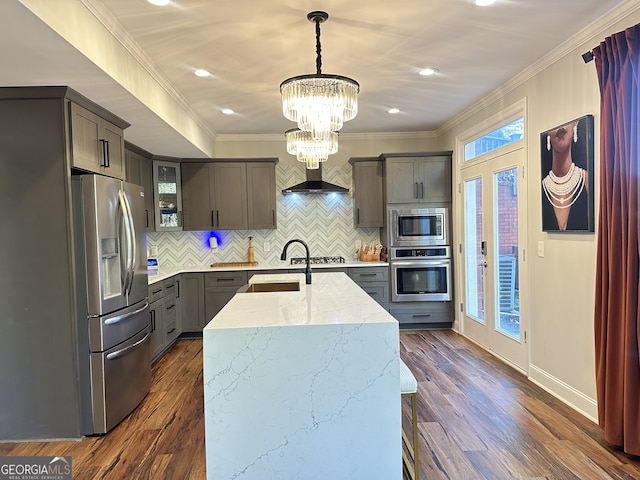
(251,251)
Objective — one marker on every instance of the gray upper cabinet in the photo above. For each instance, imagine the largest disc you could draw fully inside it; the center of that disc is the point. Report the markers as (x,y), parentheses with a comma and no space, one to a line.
(261,195)
(167,195)
(139,168)
(198,199)
(97,144)
(229,195)
(418,178)
(230,191)
(368,192)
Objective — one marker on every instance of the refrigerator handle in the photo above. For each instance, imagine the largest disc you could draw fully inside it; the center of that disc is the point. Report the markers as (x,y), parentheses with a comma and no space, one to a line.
(132,244)
(119,353)
(127,242)
(120,318)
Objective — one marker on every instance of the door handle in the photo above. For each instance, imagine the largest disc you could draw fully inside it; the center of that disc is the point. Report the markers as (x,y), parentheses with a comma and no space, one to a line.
(421,190)
(416,189)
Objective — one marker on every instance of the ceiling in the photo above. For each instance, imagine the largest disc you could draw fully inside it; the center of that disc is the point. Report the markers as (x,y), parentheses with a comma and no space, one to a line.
(251,46)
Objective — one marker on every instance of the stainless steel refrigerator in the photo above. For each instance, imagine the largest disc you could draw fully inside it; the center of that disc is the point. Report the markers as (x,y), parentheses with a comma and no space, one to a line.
(112,292)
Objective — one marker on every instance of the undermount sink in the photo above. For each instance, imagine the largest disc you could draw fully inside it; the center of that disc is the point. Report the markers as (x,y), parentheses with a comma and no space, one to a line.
(270,287)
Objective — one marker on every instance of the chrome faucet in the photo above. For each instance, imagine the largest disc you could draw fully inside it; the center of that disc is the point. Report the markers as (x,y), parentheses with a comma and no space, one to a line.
(307,271)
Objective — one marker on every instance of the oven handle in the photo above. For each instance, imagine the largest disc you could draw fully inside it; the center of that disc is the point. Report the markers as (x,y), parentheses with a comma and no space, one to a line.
(421,263)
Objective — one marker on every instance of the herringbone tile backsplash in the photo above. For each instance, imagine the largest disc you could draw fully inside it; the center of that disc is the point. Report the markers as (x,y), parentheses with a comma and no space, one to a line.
(323,221)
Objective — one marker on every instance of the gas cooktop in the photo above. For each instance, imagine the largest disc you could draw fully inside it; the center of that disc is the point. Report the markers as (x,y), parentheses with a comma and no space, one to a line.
(316,260)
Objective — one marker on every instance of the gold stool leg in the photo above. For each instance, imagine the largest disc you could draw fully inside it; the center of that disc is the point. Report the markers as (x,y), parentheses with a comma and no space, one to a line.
(412,447)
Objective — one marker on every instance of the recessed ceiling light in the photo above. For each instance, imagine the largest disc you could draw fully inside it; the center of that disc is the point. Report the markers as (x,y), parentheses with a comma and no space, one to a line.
(228,111)
(393,110)
(429,71)
(484,3)
(160,3)
(201,73)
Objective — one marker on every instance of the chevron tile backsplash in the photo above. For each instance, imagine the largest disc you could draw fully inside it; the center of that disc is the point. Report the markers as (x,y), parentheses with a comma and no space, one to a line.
(324,222)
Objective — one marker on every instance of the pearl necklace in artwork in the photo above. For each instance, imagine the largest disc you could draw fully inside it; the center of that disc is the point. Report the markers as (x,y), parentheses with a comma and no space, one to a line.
(568,187)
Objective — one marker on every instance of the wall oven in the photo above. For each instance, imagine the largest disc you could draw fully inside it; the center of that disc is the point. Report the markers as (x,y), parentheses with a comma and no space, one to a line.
(418,227)
(420,274)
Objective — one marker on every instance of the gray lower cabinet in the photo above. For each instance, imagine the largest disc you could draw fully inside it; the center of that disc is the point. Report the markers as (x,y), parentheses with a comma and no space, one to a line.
(219,288)
(431,315)
(374,281)
(192,302)
(156,320)
(164,315)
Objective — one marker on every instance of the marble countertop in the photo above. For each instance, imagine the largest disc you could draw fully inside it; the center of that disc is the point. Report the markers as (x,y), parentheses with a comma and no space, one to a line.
(332,299)
(285,401)
(162,273)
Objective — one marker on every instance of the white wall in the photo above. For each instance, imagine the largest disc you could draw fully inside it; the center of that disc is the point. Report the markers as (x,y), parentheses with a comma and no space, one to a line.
(562,284)
(349,145)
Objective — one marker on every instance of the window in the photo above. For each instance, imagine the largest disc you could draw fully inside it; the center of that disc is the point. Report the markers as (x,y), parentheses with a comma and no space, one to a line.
(504,135)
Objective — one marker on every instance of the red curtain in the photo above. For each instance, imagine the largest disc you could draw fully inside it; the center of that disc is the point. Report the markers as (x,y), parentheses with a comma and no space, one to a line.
(617,283)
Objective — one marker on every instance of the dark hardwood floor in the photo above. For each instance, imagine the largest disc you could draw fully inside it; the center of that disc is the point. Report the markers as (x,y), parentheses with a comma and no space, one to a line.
(478,419)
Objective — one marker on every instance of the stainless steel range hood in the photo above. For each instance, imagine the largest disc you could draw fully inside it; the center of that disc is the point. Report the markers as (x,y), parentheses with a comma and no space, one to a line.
(315,184)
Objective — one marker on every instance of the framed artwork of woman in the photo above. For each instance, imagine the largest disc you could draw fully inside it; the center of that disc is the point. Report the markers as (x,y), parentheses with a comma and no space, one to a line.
(567,177)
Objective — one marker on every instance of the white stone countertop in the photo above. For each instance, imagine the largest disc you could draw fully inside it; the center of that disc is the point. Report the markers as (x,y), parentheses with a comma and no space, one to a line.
(331,299)
(162,273)
(303,384)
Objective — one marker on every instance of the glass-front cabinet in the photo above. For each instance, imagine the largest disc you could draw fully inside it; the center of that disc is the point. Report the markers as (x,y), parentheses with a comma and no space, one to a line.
(167,195)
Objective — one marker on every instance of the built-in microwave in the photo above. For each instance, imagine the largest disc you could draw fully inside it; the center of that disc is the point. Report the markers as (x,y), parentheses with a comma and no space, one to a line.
(418,227)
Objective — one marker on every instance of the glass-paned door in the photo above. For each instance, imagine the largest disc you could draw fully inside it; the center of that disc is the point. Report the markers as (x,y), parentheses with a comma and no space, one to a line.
(492,229)
(474,261)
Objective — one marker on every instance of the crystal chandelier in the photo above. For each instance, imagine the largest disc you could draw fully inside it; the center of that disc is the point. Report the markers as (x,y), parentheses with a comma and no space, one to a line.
(309,150)
(319,103)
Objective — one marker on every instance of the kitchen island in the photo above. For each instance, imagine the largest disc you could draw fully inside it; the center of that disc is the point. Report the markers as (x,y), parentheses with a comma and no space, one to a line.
(302,384)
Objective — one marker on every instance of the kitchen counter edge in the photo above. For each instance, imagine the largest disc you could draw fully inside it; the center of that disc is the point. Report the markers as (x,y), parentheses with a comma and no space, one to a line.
(160,274)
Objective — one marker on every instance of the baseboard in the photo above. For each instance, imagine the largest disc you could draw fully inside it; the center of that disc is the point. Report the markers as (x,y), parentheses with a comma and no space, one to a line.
(577,400)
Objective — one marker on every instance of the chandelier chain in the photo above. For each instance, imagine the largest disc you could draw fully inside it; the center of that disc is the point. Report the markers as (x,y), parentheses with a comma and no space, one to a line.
(318,48)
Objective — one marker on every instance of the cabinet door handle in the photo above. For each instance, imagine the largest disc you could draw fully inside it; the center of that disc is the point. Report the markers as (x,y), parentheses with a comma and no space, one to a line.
(368,274)
(107,160)
(358,216)
(153,320)
(178,290)
(103,160)
(421,190)
(171,306)
(146,212)
(171,331)
(225,279)
(422,315)
(213,220)
(218,217)
(156,291)
(416,189)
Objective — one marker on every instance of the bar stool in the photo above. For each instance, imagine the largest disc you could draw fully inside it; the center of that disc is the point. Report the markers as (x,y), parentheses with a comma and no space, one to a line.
(409,388)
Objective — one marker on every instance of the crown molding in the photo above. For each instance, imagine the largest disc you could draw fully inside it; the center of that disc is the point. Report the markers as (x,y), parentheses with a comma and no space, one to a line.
(118,32)
(599,27)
